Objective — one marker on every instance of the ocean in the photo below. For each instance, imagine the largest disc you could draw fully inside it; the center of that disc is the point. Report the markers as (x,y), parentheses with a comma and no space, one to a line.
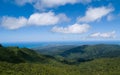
(41,44)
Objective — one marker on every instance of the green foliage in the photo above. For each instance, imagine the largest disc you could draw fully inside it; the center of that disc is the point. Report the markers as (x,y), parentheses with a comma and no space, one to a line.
(53,49)
(90,52)
(103,66)
(19,55)
(106,66)
(23,61)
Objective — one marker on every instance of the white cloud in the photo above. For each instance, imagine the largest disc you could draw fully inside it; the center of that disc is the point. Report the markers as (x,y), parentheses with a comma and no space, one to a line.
(46,18)
(13,23)
(63,17)
(53,3)
(93,14)
(39,19)
(103,35)
(41,4)
(75,28)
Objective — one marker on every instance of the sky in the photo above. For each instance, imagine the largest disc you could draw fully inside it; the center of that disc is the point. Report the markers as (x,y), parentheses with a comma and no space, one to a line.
(59,20)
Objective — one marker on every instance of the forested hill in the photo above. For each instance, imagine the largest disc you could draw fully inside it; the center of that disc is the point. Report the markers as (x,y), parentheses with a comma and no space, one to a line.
(53,49)
(61,53)
(92,51)
(23,61)
(20,55)
(69,53)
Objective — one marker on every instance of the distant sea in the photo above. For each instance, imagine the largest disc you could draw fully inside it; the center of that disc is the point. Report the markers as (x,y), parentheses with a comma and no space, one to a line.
(41,44)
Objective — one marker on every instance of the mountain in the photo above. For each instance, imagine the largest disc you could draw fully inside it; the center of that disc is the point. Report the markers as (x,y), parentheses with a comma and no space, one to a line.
(18,55)
(74,53)
(53,49)
(91,60)
(90,52)
(104,66)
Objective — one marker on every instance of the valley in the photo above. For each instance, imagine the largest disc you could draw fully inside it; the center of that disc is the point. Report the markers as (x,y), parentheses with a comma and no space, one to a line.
(100,59)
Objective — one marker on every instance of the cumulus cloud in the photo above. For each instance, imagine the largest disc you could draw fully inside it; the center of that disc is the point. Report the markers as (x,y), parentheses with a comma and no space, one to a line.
(63,17)
(40,4)
(53,3)
(13,23)
(46,18)
(75,28)
(103,35)
(93,14)
(39,19)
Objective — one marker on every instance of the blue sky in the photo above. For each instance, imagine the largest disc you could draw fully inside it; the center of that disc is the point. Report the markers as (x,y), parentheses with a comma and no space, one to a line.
(59,20)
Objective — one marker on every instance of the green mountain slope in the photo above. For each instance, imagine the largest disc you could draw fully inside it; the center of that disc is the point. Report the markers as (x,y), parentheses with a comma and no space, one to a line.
(18,55)
(53,49)
(23,61)
(105,66)
(89,52)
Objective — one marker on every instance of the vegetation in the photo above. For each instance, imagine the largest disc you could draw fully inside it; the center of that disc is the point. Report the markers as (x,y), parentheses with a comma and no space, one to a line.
(18,55)
(23,61)
(106,66)
(53,49)
(74,54)
(90,52)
